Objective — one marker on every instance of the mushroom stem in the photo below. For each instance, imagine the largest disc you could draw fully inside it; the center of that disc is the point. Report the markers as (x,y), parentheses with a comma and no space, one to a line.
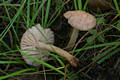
(73,38)
(73,61)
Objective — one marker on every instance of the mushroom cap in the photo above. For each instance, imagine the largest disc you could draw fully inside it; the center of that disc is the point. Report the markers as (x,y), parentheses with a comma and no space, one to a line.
(80,20)
(30,39)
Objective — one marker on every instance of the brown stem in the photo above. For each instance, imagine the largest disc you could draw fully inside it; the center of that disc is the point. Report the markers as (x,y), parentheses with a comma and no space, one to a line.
(73,38)
(73,61)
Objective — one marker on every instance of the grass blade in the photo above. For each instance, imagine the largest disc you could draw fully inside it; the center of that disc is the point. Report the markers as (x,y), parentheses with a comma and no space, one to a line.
(80,4)
(85,5)
(11,62)
(98,45)
(41,62)
(15,73)
(12,21)
(117,6)
(5,45)
(36,14)
(16,36)
(42,20)
(106,56)
(47,13)
(75,4)
(28,13)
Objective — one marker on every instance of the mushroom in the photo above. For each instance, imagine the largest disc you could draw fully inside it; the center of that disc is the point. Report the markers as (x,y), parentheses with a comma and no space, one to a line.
(37,38)
(79,20)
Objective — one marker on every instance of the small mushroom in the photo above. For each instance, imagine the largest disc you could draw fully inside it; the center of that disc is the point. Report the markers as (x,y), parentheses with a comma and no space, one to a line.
(79,20)
(37,38)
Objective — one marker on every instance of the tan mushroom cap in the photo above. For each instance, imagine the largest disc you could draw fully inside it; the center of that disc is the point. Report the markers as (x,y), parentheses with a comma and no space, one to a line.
(30,39)
(80,20)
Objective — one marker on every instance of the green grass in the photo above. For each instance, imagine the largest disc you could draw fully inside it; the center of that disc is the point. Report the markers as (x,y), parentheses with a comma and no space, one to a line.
(98,45)
(11,21)
(37,12)
(42,62)
(16,18)
(117,6)
(15,73)
(79,6)
(28,22)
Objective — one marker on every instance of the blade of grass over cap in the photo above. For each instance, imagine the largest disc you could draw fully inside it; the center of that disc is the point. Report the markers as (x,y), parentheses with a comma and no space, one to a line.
(41,62)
